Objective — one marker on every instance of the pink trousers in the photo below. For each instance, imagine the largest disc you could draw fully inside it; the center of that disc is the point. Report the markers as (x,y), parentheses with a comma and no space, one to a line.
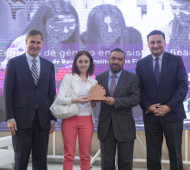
(70,128)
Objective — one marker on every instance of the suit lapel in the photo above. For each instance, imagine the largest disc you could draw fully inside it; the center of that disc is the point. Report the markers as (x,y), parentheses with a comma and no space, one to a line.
(25,64)
(165,61)
(150,69)
(26,68)
(105,82)
(42,68)
(121,82)
(75,85)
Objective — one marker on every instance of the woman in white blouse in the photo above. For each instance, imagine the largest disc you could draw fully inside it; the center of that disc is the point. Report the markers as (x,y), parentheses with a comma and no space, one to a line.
(79,83)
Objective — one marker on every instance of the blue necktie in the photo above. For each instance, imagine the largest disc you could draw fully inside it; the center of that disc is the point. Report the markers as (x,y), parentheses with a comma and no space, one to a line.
(112,85)
(157,71)
(34,71)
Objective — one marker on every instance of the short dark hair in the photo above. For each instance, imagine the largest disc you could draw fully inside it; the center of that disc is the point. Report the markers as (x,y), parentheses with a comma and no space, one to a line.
(91,67)
(119,50)
(156,32)
(34,32)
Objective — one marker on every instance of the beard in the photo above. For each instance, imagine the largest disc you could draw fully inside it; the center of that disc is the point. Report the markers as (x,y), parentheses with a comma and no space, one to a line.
(115,69)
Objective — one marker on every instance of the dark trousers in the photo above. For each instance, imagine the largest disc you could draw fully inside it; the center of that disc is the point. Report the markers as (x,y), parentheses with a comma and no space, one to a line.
(108,151)
(34,139)
(154,137)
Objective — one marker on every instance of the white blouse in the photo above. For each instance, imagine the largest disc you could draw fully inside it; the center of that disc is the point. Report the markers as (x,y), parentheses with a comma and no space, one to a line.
(84,109)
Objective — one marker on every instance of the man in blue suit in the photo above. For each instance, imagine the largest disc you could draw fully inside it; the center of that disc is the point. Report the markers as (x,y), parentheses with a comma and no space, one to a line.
(29,90)
(164,85)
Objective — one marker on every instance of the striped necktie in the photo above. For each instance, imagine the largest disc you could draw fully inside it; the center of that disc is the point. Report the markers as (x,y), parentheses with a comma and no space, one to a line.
(34,71)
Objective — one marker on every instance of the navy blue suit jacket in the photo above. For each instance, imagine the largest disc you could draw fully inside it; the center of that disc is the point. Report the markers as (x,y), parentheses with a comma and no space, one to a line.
(22,95)
(171,90)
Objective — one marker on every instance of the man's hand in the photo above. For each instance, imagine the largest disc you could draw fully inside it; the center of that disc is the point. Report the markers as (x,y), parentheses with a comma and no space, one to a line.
(12,127)
(52,128)
(162,110)
(153,107)
(109,101)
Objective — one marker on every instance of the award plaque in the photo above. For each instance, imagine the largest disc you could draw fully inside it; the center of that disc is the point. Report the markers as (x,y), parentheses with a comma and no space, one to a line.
(97,92)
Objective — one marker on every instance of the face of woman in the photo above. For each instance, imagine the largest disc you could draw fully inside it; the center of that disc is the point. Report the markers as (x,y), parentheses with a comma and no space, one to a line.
(83,63)
(110,29)
(61,27)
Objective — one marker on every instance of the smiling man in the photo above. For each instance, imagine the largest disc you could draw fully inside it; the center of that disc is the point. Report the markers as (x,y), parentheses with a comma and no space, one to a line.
(116,127)
(29,90)
(164,85)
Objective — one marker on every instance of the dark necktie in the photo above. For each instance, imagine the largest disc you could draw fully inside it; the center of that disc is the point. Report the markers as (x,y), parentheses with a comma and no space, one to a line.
(34,71)
(112,85)
(157,71)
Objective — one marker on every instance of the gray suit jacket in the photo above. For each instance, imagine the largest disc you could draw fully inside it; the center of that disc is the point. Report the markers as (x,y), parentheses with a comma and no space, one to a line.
(22,95)
(126,95)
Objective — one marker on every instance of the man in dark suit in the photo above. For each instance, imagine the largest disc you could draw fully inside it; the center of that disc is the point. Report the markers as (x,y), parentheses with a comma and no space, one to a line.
(116,127)
(29,90)
(164,85)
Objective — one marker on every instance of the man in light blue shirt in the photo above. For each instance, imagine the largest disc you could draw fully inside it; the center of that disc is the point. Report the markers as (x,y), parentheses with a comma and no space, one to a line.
(29,90)
(116,127)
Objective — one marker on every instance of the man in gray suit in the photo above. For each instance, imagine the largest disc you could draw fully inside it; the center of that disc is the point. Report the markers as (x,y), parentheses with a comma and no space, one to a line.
(29,90)
(116,127)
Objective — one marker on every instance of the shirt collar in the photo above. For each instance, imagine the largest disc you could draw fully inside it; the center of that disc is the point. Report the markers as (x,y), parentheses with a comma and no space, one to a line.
(29,57)
(160,57)
(117,74)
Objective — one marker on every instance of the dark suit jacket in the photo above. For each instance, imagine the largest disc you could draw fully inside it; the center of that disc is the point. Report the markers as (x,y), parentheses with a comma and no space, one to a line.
(171,90)
(126,96)
(21,94)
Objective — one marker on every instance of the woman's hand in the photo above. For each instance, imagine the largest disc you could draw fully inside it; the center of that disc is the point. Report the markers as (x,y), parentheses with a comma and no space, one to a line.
(81,100)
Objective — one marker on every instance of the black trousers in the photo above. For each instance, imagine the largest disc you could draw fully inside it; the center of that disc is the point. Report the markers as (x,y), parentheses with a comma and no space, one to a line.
(154,138)
(108,151)
(34,139)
